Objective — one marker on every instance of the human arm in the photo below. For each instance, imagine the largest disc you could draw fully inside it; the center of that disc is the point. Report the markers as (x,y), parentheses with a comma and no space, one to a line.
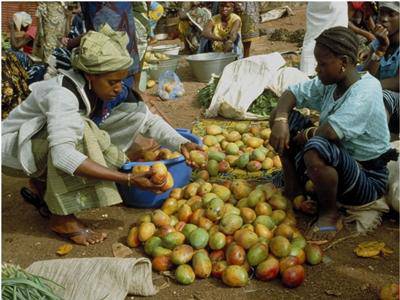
(232,36)
(378,48)
(368,35)
(391,83)
(207,32)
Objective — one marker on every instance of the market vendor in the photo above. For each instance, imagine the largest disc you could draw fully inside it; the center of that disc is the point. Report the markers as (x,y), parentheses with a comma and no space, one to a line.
(222,32)
(346,155)
(384,58)
(63,136)
(21,22)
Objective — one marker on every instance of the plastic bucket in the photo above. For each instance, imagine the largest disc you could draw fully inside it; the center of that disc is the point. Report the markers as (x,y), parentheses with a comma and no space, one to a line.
(180,171)
(203,65)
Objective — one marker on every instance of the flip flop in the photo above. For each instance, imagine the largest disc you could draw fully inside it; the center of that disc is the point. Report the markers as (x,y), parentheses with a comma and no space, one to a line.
(330,228)
(36,201)
(83,232)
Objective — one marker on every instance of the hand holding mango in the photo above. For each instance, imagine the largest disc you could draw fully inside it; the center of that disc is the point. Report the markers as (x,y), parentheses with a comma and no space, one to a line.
(194,154)
(155,178)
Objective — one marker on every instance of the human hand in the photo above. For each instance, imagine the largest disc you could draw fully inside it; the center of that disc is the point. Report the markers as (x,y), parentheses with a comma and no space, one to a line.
(185,150)
(300,138)
(64,41)
(228,46)
(370,36)
(143,181)
(382,34)
(280,135)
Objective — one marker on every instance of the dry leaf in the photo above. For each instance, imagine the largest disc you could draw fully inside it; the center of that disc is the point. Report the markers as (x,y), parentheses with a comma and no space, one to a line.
(386,251)
(120,250)
(64,249)
(369,249)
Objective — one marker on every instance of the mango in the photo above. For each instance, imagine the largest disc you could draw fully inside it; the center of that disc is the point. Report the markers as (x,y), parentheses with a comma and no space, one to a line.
(230,223)
(198,157)
(258,155)
(203,174)
(150,155)
(279,246)
(278,216)
(184,213)
(213,130)
(257,254)
(198,238)
(161,251)
(263,232)
(242,161)
(246,238)
(230,209)
(190,190)
(184,274)
(267,164)
(210,140)
(151,244)
(164,153)
(235,276)
(212,167)
(254,142)
(241,127)
(215,155)
(133,237)
(242,203)
(268,269)
(218,268)
(266,221)
(182,254)
(168,184)
(146,231)
(265,133)
(240,189)
(164,230)
(233,136)
(217,241)
(248,215)
(160,173)
(144,218)
(277,162)
(297,201)
(253,166)
(278,201)
(299,242)
(195,202)
(231,159)
(140,169)
(160,218)
(221,191)
(161,263)
(170,206)
(263,208)
(235,254)
(173,239)
(201,265)
(214,209)
(205,223)
(232,149)
(223,166)
(313,254)
(284,230)
(176,193)
(255,197)
(187,230)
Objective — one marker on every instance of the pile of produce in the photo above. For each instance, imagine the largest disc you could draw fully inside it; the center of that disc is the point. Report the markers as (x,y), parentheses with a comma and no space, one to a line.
(285,35)
(158,154)
(262,106)
(242,147)
(228,231)
(160,174)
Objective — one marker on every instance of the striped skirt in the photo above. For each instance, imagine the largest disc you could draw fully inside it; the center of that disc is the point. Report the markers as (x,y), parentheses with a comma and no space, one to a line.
(357,185)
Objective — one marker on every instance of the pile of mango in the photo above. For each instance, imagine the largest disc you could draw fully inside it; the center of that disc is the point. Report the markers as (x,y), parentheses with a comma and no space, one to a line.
(158,154)
(245,147)
(227,231)
(159,175)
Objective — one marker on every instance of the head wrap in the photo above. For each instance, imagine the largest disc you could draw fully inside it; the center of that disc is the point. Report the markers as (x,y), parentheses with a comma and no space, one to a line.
(102,52)
(341,41)
(156,11)
(22,19)
(391,5)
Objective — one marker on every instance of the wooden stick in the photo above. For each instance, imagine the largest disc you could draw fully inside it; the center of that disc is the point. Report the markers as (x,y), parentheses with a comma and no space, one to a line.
(341,240)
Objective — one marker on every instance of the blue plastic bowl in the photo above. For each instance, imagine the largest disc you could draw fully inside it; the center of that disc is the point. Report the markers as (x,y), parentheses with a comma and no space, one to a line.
(180,171)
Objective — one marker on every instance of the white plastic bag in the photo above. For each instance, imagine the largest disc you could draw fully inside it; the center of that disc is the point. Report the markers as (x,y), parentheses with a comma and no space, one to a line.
(393,196)
(244,80)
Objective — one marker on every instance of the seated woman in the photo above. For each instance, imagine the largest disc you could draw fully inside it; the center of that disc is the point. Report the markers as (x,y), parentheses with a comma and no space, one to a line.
(51,136)
(384,58)
(22,22)
(361,20)
(346,155)
(222,32)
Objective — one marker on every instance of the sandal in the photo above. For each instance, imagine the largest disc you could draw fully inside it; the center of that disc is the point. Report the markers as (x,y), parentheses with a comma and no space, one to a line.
(36,201)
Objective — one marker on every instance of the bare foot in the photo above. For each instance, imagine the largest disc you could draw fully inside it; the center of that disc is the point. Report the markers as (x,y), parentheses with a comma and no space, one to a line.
(325,228)
(70,227)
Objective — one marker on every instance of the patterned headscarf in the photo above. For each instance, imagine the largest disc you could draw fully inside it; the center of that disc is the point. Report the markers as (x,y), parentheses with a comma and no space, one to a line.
(102,52)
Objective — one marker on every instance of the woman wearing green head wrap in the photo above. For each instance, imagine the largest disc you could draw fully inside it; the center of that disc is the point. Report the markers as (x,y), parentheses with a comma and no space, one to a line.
(51,137)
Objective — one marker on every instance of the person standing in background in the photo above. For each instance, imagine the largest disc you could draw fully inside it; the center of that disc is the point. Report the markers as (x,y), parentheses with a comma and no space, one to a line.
(249,12)
(52,27)
(361,20)
(140,13)
(320,16)
(156,11)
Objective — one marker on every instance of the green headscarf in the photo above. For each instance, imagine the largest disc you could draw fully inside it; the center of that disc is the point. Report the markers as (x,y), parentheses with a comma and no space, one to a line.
(102,52)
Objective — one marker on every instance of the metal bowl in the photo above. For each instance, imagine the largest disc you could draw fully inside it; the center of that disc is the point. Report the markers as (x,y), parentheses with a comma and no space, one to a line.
(203,65)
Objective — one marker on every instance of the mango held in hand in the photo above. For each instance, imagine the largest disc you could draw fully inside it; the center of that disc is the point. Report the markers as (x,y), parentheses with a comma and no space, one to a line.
(160,173)
(198,157)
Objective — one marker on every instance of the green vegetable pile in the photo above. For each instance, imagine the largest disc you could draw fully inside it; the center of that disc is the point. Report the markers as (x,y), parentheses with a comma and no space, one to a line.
(262,106)
(20,285)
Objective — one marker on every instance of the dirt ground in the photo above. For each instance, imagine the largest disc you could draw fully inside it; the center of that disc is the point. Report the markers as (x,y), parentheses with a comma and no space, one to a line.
(343,275)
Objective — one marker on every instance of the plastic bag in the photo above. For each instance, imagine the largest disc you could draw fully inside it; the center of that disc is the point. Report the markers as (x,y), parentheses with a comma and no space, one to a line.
(170,86)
